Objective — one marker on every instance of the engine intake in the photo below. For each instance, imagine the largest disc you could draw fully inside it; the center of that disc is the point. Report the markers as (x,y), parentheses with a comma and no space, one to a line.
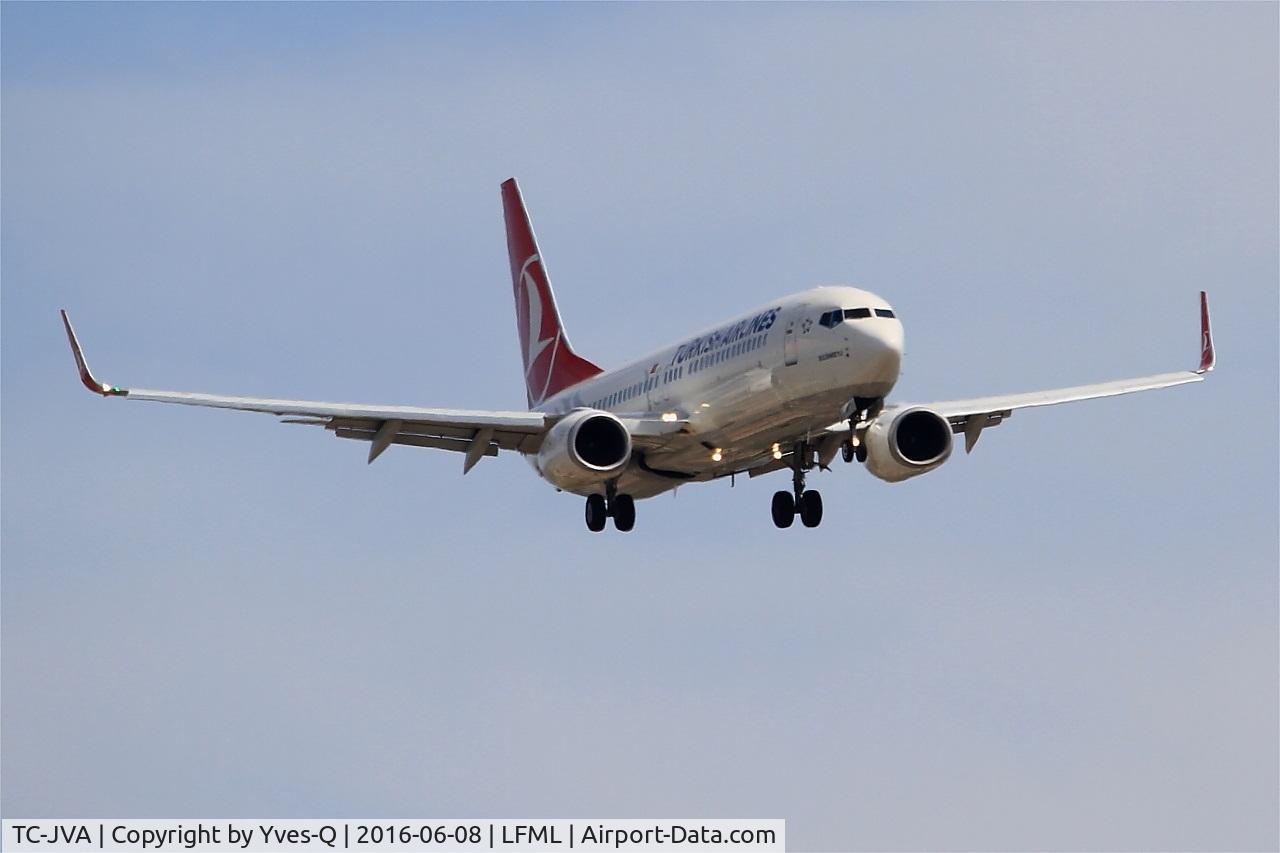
(583,449)
(601,442)
(907,442)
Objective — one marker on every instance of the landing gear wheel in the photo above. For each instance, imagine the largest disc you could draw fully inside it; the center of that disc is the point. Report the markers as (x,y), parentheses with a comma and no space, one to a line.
(596,513)
(847,451)
(811,508)
(861,453)
(784,509)
(623,508)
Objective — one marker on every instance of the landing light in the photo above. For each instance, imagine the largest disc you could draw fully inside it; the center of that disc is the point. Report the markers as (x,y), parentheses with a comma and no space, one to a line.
(777,451)
(669,417)
(716,455)
(706,405)
(855,441)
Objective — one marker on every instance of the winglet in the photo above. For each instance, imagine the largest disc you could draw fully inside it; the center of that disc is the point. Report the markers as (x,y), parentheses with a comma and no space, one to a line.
(1207,358)
(83,366)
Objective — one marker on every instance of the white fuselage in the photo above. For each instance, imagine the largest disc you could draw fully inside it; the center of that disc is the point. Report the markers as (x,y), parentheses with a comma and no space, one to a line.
(772,376)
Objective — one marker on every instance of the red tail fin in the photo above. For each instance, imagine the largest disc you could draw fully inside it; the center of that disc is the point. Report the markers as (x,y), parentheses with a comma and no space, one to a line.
(550,364)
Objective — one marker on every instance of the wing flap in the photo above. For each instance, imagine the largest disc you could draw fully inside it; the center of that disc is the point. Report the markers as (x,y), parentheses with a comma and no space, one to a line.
(455,444)
(443,437)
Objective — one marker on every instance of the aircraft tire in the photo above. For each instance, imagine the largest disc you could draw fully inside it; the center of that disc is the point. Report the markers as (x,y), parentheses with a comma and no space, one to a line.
(784,509)
(811,508)
(624,512)
(596,513)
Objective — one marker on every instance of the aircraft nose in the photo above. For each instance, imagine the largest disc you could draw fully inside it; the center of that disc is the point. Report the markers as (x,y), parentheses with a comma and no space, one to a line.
(882,348)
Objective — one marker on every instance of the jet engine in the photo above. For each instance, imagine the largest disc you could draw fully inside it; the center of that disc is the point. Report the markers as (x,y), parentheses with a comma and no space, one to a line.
(583,449)
(903,443)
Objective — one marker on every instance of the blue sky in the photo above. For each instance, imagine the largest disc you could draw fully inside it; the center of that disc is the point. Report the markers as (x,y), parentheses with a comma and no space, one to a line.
(1066,640)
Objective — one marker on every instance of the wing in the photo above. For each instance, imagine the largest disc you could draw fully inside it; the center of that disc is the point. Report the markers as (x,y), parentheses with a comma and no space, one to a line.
(476,433)
(971,417)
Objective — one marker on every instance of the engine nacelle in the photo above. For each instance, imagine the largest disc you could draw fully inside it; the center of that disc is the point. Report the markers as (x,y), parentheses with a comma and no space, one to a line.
(903,443)
(583,449)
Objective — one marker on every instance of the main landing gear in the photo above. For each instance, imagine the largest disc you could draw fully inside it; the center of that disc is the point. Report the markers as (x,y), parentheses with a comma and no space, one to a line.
(806,503)
(621,508)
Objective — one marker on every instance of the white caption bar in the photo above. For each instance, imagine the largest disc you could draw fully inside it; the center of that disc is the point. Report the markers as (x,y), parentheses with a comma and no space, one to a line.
(290,836)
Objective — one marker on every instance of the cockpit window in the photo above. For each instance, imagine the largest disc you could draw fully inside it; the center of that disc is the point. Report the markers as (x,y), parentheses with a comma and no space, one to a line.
(831,319)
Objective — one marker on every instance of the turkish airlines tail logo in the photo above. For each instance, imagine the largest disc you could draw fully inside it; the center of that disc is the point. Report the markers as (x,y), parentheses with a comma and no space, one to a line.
(550,364)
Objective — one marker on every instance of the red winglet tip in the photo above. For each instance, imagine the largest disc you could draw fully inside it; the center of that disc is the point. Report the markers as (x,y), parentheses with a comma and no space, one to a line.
(86,376)
(1207,357)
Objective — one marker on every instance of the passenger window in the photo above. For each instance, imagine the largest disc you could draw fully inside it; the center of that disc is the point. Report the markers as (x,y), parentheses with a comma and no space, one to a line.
(883,312)
(857,313)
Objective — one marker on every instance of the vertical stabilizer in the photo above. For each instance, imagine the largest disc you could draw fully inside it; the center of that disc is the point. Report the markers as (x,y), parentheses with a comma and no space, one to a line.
(550,364)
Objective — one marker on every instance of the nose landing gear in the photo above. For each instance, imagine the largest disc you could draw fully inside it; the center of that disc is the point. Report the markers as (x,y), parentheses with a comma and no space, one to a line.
(807,503)
(864,411)
(850,451)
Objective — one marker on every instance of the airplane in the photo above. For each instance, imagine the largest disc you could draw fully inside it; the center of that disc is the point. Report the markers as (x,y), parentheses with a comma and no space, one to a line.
(784,386)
